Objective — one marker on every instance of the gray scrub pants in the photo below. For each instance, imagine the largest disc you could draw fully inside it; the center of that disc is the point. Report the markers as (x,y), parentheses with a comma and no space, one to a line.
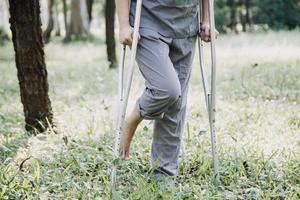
(165,63)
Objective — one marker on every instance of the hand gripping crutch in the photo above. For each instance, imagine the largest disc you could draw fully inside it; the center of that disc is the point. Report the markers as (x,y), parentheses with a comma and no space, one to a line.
(210,94)
(123,97)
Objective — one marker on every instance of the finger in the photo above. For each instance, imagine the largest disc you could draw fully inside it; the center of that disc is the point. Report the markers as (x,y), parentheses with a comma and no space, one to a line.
(202,35)
(207,31)
(130,38)
(124,41)
(128,41)
(206,38)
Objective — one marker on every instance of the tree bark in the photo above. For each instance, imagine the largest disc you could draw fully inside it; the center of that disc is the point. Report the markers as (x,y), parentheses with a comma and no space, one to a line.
(110,32)
(50,25)
(78,20)
(30,62)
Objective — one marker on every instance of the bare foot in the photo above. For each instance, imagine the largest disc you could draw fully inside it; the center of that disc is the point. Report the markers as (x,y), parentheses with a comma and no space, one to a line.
(128,131)
(126,138)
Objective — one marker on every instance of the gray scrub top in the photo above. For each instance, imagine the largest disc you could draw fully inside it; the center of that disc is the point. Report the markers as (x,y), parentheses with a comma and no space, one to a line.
(170,18)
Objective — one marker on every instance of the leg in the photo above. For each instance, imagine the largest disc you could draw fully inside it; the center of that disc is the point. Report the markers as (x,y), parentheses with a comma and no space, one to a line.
(162,87)
(168,130)
(129,127)
(162,84)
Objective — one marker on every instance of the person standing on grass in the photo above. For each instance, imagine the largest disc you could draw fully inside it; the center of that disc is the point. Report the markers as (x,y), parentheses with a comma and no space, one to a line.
(165,53)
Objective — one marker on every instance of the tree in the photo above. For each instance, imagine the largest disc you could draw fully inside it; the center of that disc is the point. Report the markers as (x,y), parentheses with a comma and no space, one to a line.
(248,8)
(89,4)
(278,14)
(233,14)
(50,25)
(3,22)
(222,15)
(78,26)
(65,10)
(30,62)
(56,20)
(53,23)
(110,32)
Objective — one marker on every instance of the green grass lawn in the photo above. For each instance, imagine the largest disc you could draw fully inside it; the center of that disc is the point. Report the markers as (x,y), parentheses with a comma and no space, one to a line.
(258,127)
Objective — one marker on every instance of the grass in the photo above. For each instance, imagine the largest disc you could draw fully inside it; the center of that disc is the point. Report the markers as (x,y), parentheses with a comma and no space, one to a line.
(258,127)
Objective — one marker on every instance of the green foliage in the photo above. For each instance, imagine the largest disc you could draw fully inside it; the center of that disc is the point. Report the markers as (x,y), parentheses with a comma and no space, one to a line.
(222,15)
(279,81)
(278,14)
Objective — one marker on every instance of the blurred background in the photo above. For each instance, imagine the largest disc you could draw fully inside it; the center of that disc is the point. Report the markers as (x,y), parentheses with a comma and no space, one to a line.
(93,18)
(257,117)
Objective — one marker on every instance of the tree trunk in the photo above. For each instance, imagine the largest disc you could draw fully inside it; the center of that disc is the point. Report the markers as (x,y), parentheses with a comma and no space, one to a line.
(233,14)
(65,9)
(29,55)
(89,4)
(3,22)
(248,18)
(50,26)
(110,32)
(78,20)
(3,15)
(56,20)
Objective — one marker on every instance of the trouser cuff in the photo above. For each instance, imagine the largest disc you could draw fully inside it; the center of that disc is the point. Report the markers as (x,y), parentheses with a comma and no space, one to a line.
(145,115)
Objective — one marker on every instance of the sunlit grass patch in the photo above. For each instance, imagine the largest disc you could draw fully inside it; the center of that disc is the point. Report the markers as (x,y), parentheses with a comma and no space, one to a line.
(257,123)
(267,81)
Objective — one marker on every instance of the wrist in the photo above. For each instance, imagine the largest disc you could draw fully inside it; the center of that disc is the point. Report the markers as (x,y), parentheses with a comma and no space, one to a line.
(124,24)
(205,22)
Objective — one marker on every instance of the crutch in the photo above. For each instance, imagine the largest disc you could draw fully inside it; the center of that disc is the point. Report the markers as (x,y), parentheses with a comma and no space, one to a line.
(210,94)
(123,97)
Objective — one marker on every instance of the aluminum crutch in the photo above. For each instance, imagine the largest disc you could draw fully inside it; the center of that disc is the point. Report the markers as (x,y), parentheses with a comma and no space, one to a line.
(210,94)
(123,97)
